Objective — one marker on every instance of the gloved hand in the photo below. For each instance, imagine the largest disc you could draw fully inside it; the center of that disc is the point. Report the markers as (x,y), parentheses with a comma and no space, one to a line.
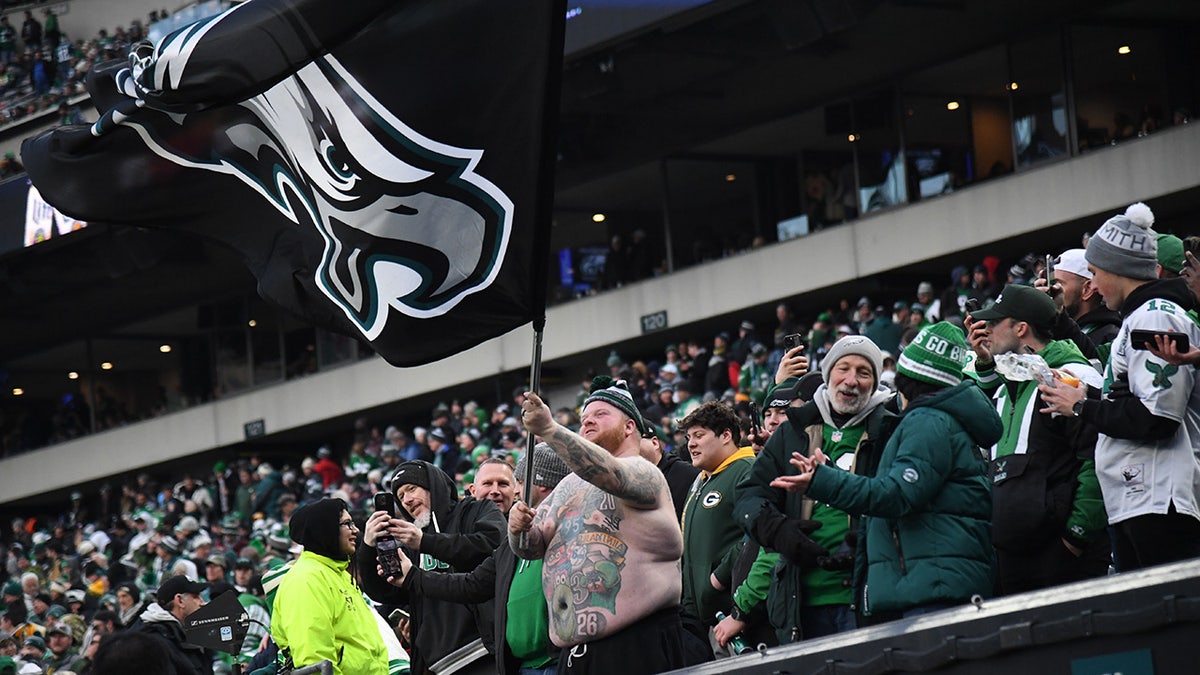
(794,544)
(842,559)
(788,536)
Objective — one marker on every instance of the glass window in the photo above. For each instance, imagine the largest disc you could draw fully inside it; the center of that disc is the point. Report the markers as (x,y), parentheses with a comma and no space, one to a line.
(956,123)
(883,173)
(1039,99)
(713,209)
(1120,83)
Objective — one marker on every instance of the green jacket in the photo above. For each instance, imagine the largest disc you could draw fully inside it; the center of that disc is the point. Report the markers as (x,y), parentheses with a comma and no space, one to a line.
(711,537)
(928,508)
(320,614)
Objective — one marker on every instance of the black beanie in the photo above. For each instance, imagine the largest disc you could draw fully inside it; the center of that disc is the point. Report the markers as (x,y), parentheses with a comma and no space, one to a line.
(413,472)
(316,527)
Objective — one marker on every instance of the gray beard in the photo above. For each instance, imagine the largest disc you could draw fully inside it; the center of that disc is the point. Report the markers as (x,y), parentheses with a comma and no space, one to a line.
(422,521)
(853,409)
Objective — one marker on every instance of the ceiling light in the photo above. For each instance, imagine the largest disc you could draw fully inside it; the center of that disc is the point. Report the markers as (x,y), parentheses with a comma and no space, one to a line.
(166,349)
(852,138)
(17,391)
(107,365)
(598,217)
(952,105)
(72,375)
(1012,86)
(730,177)
(1123,49)
(252,323)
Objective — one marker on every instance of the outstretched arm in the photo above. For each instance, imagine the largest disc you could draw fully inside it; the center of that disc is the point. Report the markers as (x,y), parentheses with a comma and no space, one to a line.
(637,483)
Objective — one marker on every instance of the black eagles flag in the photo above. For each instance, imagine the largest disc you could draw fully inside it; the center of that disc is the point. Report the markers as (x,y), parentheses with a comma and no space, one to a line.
(384,166)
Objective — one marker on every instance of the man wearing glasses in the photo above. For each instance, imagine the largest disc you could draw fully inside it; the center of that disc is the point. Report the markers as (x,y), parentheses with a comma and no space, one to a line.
(319,612)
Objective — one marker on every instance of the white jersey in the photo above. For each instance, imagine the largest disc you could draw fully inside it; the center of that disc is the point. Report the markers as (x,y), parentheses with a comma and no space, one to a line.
(1145,477)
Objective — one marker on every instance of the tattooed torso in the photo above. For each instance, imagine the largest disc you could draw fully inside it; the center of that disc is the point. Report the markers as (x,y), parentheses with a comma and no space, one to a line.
(607,564)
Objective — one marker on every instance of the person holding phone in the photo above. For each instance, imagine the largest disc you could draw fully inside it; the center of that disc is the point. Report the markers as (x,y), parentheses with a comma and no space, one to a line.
(443,532)
(1048,521)
(1149,417)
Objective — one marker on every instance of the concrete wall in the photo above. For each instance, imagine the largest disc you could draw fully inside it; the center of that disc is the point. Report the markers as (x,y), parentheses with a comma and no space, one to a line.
(1100,182)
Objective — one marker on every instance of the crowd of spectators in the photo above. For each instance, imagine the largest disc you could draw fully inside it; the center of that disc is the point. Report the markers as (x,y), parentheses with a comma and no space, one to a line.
(93,569)
(45,65)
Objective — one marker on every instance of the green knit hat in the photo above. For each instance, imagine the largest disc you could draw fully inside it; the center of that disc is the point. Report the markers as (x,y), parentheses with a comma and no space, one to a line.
(1170,253)
(616,393)
(936,355)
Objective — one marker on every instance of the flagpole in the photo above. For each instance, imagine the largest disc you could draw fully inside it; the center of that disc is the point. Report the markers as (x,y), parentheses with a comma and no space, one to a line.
(545,214)
(535,385)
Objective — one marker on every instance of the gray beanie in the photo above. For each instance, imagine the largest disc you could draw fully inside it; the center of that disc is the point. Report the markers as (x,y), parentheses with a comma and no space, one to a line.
(548,467)
(852,344)
(1125,245)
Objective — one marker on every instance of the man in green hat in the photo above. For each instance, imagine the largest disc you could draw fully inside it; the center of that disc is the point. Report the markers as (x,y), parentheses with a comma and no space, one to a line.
(1170,256)
(1048,519)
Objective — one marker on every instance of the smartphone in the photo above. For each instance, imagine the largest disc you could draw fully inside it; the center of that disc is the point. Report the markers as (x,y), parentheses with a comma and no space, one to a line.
(387,550)
(1142,339)
(1049,271)
(396,615)
(971,306)
(754,418)
(384,501)
(791,341)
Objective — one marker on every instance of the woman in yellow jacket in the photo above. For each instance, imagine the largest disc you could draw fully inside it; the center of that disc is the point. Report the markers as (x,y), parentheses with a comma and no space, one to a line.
(319,612)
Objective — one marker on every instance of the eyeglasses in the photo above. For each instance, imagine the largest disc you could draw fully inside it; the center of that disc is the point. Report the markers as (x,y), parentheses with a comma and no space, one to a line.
(348,524)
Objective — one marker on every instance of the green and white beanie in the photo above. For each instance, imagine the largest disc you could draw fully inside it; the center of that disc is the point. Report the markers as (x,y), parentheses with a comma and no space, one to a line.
(936,355)
(616,392)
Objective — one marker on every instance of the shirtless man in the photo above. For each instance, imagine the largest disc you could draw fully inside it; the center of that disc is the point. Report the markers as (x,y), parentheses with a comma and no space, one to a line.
(610,542)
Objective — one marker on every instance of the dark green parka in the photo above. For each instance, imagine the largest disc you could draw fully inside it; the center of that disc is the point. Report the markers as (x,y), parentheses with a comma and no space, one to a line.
(928,508)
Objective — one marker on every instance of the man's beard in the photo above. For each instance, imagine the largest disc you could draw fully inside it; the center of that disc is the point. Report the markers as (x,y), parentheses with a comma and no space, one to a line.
(835,402)
(422,521)
(610,439)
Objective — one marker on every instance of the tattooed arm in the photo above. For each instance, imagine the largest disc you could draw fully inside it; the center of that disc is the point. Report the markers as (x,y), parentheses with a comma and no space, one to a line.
(637,483)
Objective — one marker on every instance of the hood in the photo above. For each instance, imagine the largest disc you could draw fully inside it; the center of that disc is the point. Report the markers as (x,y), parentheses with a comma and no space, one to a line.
(156,614)
(821,399)
(967,404)
(1065,355)
(442,493)
(1175,290)
(315,527)
(1101,316)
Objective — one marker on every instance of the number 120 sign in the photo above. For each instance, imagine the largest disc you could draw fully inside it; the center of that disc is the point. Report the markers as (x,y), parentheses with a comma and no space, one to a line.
(653,322)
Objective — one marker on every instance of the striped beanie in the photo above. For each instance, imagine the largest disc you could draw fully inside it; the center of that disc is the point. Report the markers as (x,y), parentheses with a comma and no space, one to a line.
(936,355)
(616,393)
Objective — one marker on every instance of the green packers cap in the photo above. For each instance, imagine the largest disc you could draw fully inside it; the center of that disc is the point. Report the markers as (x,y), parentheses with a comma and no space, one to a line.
(1023,303)
(936,355)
